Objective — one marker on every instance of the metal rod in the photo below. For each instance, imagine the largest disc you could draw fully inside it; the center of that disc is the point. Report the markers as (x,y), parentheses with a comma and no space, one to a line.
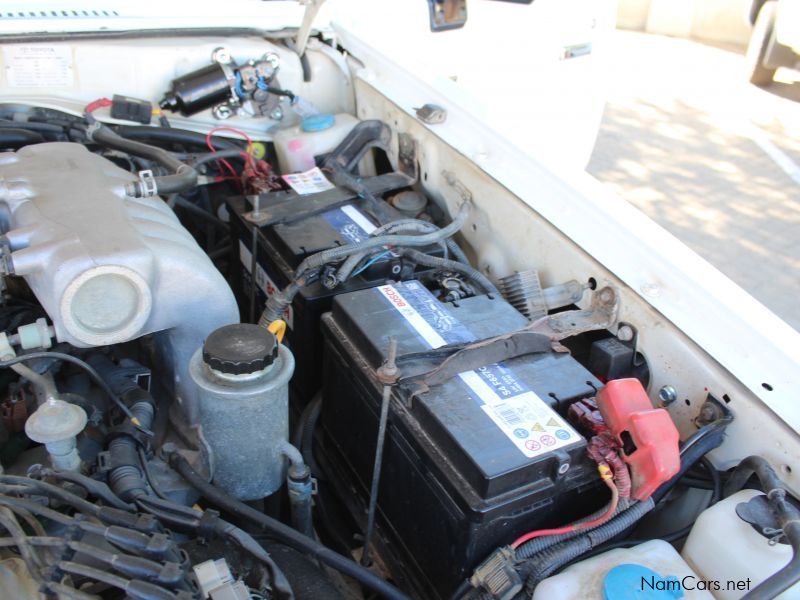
(390,368)
(253,261)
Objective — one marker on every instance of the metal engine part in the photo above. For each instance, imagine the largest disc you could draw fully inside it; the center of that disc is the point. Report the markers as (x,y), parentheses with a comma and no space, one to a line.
(106,267)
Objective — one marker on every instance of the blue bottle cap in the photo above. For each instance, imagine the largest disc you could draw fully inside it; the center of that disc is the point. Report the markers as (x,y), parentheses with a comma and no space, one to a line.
(636,582)
(318,122)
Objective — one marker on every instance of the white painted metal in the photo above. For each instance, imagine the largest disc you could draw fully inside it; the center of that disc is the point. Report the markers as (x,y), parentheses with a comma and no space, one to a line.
(700,332)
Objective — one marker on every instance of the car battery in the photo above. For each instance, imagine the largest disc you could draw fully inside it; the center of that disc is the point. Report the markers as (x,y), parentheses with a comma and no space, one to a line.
(298,226)
(471,463)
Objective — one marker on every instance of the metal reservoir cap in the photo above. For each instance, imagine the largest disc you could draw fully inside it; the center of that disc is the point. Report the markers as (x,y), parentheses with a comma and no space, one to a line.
(240,349)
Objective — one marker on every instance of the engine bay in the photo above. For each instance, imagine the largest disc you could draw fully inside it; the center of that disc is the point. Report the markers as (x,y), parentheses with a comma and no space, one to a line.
(263,338)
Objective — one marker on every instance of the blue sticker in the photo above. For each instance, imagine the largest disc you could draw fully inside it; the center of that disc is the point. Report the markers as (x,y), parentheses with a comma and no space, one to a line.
(521,433)
(562,434)
(349,228)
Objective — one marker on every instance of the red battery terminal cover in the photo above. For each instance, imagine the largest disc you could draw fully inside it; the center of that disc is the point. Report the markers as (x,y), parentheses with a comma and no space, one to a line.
(647,436)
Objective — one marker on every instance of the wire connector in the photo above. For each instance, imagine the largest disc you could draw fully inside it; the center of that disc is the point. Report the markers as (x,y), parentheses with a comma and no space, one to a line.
(497,575)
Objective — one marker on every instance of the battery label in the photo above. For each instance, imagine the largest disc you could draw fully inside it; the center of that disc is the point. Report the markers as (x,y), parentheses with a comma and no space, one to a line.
(350,223)
(526,419)
(263,281)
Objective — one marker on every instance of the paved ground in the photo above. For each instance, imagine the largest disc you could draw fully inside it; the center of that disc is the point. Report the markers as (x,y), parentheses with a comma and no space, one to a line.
(710,158)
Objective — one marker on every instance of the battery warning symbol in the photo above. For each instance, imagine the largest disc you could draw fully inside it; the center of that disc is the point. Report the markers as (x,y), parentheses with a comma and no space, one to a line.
(547,440)
(533,445)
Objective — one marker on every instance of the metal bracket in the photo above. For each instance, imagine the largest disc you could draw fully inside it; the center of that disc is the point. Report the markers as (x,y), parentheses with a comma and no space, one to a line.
(407,155)
(447,14)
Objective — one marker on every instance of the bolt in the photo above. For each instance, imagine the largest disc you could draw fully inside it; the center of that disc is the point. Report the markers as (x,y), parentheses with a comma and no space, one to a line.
(272,58)
(222,56)
(667,395)
(625,333)
(222,112)
(276,114)
(388,371)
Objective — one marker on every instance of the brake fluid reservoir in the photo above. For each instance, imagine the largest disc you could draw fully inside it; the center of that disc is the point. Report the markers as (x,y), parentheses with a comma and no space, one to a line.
(243,373)
(297,147)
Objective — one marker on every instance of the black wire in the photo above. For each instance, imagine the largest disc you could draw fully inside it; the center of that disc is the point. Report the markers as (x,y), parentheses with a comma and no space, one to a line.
(147,476)
(89,370)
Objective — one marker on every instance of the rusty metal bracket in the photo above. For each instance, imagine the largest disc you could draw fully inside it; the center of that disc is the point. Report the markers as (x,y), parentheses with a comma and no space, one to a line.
(540,336)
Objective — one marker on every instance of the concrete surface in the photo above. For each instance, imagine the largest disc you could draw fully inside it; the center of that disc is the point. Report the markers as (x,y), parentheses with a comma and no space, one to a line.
(720,21)
(711,158)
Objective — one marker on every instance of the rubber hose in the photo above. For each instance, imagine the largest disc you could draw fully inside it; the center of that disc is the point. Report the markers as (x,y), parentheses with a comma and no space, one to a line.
(17,138)
(177,136)
(184,177)
(283,533)
(788,520)
(703,441)
(211,156)
(753,465)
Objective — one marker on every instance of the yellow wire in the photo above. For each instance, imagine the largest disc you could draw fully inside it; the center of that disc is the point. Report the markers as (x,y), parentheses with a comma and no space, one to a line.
(278,329)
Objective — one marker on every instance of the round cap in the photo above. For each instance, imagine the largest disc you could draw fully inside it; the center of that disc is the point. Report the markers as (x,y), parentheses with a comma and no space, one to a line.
(55,420)
(318,122)
(627,582)
(239,349)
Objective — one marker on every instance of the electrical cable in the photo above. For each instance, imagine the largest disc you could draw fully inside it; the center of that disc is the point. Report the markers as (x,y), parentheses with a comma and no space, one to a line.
(282,532)
(607,476)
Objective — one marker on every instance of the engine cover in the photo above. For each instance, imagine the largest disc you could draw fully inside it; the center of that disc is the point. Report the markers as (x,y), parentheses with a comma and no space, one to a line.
(106,267)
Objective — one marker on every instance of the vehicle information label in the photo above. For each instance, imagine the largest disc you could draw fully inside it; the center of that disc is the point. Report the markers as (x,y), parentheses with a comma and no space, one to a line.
(308,182)
(38,66)
(521,415)
(350,222)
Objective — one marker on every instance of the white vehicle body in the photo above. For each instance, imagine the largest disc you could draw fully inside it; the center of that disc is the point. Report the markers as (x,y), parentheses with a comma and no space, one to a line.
(534,206)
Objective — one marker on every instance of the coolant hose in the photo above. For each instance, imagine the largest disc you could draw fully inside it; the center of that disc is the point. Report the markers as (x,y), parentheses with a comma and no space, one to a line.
(279,302)
(184,177)
(17,138)
(283,533)
(788,520)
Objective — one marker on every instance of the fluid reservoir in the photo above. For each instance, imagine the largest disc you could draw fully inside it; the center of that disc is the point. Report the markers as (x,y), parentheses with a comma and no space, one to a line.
(298,146)
(650,571)
(723,546)
(243,373)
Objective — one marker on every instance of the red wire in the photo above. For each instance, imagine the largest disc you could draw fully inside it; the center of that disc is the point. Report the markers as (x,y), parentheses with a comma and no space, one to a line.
(99,103)
(612,507)
(247,156)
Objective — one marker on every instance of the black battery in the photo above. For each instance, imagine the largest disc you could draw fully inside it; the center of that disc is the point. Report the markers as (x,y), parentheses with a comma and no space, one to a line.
(467,466)
(306,225)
